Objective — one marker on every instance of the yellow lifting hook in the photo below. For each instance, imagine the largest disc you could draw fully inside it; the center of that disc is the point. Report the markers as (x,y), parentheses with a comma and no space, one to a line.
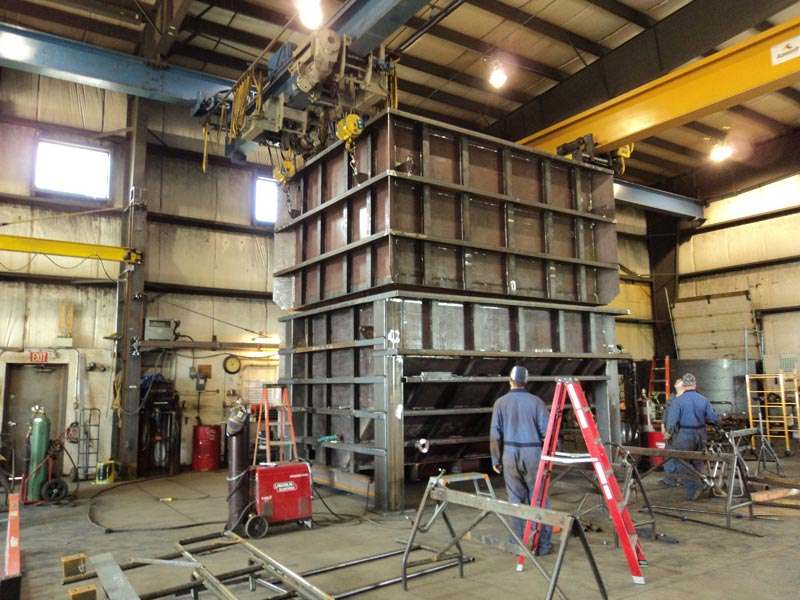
(348,128)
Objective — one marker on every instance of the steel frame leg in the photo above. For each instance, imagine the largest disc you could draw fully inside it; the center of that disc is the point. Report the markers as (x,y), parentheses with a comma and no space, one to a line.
(415,529)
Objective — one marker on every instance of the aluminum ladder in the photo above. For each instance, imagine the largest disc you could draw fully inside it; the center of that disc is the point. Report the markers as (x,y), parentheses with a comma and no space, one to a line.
(597,456)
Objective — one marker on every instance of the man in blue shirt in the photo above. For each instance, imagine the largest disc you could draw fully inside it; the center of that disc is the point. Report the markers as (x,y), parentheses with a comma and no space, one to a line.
(686,424)
(519,424)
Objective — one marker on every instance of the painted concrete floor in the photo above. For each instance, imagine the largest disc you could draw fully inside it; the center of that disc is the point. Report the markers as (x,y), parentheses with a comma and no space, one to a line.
(706,563)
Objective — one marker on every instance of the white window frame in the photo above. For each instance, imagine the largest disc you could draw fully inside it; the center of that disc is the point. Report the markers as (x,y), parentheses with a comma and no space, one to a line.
(56,192)
(256,220)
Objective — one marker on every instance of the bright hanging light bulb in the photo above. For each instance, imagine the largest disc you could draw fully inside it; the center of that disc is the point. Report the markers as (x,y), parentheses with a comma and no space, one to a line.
(720,152)
(498,76)
(310,13)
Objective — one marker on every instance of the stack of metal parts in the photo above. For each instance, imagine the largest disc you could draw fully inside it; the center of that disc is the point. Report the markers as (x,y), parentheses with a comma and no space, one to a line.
(422,263)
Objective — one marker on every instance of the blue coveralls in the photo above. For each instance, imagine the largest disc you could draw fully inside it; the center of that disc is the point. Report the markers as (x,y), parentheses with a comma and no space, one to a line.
(670,466)
(519,424)
(686,423)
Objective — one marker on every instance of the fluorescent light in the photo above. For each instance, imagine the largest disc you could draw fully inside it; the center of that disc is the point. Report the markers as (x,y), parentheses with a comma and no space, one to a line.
(14,47)
(310,13)
(498,76)
(70,169)
(720,152)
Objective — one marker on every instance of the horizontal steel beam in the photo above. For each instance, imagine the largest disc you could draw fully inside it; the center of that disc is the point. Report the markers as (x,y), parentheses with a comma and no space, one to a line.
(726,78)
(30,245)
(56,57)
(656,200)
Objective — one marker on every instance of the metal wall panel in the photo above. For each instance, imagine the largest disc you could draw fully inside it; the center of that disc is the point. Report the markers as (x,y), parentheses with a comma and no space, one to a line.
(419,204)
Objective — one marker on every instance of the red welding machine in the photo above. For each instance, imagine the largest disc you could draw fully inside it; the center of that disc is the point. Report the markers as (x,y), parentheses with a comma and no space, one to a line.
(283,493)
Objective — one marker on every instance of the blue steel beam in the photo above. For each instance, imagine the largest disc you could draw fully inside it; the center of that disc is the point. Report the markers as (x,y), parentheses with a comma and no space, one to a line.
(657,200)
(56,57)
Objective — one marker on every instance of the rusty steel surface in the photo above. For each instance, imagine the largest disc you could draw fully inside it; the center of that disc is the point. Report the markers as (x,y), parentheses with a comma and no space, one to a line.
(420,270)
(426,205)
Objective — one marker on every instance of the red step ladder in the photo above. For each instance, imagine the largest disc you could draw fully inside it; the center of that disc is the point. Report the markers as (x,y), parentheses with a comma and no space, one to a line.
(659,382)
(617,509)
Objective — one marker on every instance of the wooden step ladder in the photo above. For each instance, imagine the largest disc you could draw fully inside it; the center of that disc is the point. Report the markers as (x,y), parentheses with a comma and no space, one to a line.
(274,422)
(597,456)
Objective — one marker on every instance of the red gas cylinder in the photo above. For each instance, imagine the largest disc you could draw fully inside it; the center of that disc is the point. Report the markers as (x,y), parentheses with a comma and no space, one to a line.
(205,447)
(655,439)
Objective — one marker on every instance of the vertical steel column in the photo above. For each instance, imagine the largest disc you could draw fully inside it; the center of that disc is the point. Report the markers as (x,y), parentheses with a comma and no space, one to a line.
(130,315)
(389,432)
(606,402)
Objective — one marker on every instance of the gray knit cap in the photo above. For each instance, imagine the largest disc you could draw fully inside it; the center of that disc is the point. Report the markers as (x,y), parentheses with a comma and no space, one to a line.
(519,375)
(689,380)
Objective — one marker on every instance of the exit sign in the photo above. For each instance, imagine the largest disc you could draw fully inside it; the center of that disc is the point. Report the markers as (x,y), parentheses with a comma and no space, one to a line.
(37,357)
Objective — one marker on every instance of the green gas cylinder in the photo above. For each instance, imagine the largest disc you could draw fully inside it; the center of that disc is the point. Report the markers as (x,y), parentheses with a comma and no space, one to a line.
(39,439)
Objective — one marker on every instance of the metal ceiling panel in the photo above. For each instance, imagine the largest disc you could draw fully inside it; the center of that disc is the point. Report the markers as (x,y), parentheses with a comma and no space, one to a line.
(740,127)
(688,161)
(621,35)
(441,51)
(658,9)
(441,108)
(457,89)
(778,107)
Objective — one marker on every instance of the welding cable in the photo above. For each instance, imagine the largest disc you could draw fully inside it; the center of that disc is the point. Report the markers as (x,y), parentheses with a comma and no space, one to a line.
(241,516)
(93,520)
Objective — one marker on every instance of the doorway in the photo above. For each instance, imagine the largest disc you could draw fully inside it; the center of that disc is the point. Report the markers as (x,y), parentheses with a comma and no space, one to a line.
(28,385)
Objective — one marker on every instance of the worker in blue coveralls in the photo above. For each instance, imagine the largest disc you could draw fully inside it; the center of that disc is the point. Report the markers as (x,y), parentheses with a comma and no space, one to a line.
(686,423)
(671,465)
(519,424)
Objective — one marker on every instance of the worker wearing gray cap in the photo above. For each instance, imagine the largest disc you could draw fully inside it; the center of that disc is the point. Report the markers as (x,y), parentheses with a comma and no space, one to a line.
(519,424)
(686,424)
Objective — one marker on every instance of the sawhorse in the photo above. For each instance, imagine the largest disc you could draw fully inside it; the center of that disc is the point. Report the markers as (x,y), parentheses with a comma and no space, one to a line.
(484,500)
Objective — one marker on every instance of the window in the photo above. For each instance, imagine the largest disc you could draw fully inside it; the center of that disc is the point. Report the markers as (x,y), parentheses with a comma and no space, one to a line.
(75,170)
(266,205)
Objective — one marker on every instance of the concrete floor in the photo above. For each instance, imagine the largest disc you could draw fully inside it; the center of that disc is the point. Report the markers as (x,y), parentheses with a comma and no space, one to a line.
(707,563)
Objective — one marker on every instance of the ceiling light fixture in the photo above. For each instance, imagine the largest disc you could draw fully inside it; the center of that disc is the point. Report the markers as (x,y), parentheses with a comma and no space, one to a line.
(310,13)
(498,76)
(720,152)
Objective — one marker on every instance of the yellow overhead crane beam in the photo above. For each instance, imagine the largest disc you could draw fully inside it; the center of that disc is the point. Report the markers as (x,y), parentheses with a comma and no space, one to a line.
(17,243)
(761,64)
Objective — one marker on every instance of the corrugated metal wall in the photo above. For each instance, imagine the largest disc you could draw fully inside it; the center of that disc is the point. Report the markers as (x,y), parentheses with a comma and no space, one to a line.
(178,254)
(760,256)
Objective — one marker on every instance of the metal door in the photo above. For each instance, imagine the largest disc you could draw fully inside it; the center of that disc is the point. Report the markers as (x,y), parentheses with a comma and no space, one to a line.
(28,386)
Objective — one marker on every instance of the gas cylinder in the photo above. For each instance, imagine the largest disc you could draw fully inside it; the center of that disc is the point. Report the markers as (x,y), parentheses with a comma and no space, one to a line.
(39,441)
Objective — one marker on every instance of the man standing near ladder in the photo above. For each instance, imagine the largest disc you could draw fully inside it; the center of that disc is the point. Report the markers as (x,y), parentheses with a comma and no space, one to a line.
(519,425)
(686,424)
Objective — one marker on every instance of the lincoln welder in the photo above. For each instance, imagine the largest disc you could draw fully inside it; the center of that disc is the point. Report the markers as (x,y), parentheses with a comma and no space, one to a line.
(265,494)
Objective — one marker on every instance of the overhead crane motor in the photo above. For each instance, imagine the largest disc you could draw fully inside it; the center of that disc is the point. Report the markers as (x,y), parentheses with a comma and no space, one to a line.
(301,100)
